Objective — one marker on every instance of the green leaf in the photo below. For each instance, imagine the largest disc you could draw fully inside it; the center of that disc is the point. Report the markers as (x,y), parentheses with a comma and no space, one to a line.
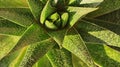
(90,1)
(36,7)
(9,28)
(77,62)
(7,60)
(60,57)
(106,6)
(6,44)
(108,25)
(47,11)
(18,59)
(104,55)
(64,18)
(74,43)
(20,16)
(78,12)
(35,51)
(57,35)
(13,3)
(74,2)
(43,62)
(33,34)
(99,34)
(50,25)
(113,17)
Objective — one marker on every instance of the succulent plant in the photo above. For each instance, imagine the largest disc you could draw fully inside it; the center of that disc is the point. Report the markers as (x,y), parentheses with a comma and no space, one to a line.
(59,33)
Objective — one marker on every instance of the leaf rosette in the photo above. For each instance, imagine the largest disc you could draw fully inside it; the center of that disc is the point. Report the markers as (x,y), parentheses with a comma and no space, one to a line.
(24,42)
(55,15)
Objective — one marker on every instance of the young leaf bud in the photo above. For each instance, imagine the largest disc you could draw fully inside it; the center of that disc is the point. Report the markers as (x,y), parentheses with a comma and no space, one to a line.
(64,18)
(50,25)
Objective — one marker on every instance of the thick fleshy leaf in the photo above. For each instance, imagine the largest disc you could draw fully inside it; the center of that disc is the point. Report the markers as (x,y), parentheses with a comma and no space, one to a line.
(47,11)
(6,44)
(36,7)
(9,28)
(33,34)
(104,55)
(77,62)
(13,3)
(77,12)
(20,16)
(60,57)
(36,51)
(90,3)
(19,58)
(58,36)
(7,60)
(108,25)
(95,33)
(113,17)
(105,7)
(74,2)
(74,43)
(43,62)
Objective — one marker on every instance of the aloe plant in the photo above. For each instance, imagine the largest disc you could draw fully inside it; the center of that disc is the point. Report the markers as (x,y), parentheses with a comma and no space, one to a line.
(59,33)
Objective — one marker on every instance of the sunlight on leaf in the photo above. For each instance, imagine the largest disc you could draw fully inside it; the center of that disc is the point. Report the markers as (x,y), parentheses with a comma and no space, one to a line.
(43,62)
(6,44)
(20,16)
(36,51)
(60,57)
(77,13)
(104,55)
(13,3)
(105,7)
(74,43)
(9,28)
(102,35)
